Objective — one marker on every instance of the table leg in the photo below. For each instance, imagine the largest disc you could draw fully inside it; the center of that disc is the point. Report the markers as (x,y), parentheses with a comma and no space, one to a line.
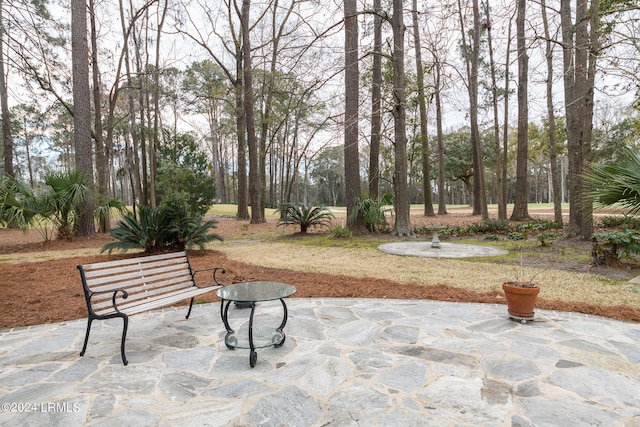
(279,341)
(253,356)
(230,340)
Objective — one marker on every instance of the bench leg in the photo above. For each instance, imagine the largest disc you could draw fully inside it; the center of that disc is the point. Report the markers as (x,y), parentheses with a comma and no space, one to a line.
(190,306)
(86,336)
(125,325)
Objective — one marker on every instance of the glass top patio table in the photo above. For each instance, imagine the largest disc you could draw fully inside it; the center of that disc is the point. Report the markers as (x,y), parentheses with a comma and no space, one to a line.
(256,291)
(247,295)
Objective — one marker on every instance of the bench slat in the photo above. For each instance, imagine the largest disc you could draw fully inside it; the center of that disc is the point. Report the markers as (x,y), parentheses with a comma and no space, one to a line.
(97,278)
(135,261)
(133,281)
(133,297)
(158,303)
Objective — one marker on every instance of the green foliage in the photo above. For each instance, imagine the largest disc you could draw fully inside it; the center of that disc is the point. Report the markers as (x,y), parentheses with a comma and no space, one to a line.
(328,172)
(304,216)
(103,210)
(164,228)
(629,240)
(66,194)
(57,201)
(490,226)
(373,212)
(491,237)
(620,221)
(339,232)
(184,175)
(546,237)
(538,225)
(514,235)
(618,184)
(18,203)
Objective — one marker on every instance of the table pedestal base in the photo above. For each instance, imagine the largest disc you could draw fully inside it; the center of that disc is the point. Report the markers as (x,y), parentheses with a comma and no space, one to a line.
(257,337)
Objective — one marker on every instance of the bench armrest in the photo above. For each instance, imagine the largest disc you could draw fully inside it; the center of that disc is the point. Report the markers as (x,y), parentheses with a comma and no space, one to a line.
(115,292)
(214,271)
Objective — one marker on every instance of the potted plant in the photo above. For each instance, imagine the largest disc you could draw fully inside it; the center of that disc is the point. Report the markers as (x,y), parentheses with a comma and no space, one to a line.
(521,295)
(521,299)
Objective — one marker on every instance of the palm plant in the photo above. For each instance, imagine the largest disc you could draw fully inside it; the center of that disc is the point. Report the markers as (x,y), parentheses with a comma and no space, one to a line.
(18,203)
(105,207)
(304,216)
(67,193)
(618,184)
(57,202)
(164,228)
(374,212)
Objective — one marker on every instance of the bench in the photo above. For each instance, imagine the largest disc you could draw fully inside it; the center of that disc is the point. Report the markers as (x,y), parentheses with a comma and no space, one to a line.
(135,285)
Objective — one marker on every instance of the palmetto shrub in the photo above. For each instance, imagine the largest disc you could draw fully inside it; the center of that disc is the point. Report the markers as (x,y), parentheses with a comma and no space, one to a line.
(373,212)
(56,201)
(164,228)
(618,184)
(304,216)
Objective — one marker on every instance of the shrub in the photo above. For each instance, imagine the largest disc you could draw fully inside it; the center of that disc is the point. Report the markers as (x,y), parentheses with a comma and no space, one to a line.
(304,216)
(58,201)
(490,226)
(545,238)
(538,224)
(105,207)
(339,232)
(620,221)
(514,235)
(162,229)
(628,240)
(373,212)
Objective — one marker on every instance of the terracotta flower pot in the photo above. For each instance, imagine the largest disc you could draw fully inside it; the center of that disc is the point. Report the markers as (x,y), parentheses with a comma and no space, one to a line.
(521,299)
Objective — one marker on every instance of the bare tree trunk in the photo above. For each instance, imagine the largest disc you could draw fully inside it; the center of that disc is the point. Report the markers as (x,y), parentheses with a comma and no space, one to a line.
(424,138)
(352,83)
(505,128)
(7,138)
(27,147)
(472,64)
(241,130)
(502,204)
(579,57)
(401,192)
(255,186)
(154,142)
(553,155)
(133,153)
(442,202)
(218,169)
(520,208)
(376,103)
(82,111)
(102,172)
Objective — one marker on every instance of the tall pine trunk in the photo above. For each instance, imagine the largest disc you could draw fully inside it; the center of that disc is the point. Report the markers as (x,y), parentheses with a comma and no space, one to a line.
(424,138)
(351,119)
(255,186)
(520,208)
(401,191)
(82,111)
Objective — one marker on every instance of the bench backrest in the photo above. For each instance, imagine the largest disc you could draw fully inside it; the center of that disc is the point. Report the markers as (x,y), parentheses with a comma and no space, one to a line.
(141,277)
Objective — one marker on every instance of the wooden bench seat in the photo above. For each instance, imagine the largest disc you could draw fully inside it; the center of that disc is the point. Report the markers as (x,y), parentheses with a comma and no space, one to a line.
(135,285)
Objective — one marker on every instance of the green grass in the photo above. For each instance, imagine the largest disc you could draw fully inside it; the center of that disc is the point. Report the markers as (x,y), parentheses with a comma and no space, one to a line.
(340,211)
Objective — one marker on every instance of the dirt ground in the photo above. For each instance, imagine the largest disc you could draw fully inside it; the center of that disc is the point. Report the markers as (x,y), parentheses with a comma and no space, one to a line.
(44,289)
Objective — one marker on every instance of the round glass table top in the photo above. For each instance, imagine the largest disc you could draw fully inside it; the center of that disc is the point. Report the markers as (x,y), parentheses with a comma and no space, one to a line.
(256,291)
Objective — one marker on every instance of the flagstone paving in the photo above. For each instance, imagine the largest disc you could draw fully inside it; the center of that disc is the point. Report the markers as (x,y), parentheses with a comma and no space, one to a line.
(345,362)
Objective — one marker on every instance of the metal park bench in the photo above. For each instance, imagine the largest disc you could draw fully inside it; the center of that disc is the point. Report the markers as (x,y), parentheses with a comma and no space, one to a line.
(129,286)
